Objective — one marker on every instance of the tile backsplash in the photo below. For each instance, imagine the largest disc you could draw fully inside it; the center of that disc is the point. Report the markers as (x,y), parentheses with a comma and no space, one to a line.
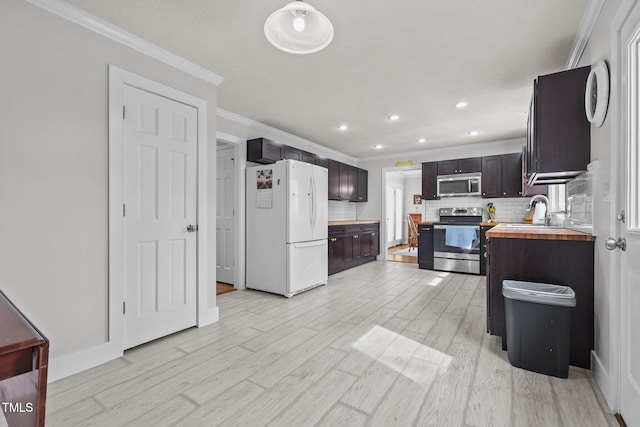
(507,209)
(342,211)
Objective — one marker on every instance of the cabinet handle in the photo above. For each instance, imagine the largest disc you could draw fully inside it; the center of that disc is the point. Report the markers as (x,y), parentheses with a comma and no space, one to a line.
(485,254)
(355,237)
(504,193)
(373,234)
(484,194)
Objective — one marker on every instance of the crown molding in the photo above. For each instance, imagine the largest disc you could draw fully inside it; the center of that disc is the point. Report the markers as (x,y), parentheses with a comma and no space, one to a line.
(261,128)
(90,22)
(587,23)
(503,143)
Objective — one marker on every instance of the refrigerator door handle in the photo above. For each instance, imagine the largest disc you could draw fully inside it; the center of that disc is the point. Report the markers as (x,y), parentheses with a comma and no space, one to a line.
(315,202)
(311,202)
(310,244)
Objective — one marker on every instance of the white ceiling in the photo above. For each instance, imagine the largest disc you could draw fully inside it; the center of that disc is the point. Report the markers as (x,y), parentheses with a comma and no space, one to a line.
(413,58)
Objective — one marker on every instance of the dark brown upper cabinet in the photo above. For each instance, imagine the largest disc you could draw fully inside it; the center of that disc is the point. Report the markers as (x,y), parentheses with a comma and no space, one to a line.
(362,187)
(322,161)
(558,134)
(512,175)
(348,181)
(291,153)
(469,165)
(492,176)
(430,181)
(263,150)
(309,157)
(334,180)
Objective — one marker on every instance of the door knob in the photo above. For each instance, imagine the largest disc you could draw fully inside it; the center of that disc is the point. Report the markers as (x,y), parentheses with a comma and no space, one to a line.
(612,243)
(192,228)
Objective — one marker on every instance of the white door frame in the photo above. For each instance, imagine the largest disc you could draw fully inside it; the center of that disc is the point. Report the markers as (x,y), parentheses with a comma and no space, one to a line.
(383,224)
(240,165)
(118,78)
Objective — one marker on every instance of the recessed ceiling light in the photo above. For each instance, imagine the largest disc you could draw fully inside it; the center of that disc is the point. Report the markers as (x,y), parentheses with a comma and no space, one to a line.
(343,127)
(394,117)
(422,140)
(461,104)
(378,147)
(474,133)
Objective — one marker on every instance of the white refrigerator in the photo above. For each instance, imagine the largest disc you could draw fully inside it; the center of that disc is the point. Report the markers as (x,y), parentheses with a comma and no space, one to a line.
(287,224)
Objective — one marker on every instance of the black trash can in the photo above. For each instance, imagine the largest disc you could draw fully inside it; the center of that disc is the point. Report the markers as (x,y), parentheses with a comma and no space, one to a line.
(538,322)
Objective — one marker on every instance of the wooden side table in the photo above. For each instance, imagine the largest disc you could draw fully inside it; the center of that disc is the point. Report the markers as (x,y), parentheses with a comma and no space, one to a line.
(24,358)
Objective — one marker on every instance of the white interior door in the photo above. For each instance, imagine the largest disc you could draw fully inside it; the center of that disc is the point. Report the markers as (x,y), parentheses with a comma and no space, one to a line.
(160,158)
(630,229)
(225,233)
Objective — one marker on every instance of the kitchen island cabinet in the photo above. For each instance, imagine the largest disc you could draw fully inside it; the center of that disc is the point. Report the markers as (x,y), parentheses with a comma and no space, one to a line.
(555,256)
(352,243)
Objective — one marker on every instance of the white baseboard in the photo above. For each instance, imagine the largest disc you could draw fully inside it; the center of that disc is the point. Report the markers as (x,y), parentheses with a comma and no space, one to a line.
(210,316)
(603,378)
(69,364)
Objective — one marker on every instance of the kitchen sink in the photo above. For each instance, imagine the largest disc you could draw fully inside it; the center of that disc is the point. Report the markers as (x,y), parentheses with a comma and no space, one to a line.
(529,226)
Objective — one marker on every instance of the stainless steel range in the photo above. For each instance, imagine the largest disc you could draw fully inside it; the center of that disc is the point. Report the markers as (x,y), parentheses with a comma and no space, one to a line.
(456,240)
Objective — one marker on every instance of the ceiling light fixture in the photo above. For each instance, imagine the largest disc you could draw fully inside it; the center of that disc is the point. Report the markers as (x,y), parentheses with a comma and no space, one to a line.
(343,127)
(394,117)
(298,28)
(422,140)
(378,147)
(474,133)
(461,104)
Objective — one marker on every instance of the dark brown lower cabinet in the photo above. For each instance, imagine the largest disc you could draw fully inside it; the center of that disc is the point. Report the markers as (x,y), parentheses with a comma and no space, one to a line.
(352,245)
(558,262)
(425,247)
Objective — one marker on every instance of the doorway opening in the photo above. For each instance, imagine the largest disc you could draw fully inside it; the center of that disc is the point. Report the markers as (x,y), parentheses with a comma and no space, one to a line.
(403,187)
(226,236)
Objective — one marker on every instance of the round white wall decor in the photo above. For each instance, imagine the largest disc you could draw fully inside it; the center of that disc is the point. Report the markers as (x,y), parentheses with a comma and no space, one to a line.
(596,94)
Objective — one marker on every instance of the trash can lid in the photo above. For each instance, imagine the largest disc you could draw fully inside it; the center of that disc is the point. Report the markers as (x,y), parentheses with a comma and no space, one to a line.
(541,293)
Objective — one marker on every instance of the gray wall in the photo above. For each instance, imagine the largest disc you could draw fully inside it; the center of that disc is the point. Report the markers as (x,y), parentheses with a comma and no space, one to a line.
(54,171)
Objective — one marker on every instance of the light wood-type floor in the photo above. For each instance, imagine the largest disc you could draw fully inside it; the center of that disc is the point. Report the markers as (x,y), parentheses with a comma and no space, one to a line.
(383,344)
(391,255)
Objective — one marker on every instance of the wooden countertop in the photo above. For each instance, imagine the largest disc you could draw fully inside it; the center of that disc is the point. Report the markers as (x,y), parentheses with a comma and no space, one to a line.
(541,233)
(426,222)
(355,222)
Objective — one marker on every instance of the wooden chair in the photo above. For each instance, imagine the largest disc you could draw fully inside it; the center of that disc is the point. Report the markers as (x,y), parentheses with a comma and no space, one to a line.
(413,232)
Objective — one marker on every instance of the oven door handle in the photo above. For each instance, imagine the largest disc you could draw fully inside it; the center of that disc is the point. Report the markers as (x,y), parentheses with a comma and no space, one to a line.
(444,227)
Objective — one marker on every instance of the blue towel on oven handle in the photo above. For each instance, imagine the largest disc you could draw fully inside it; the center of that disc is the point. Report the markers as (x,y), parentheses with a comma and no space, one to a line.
(460,236)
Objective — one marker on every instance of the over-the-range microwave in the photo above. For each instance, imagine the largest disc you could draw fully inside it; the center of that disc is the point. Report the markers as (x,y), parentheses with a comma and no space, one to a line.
(462,184)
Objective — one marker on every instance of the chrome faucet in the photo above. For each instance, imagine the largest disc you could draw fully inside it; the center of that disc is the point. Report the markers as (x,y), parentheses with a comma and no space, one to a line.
(535,198)
(545,199)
